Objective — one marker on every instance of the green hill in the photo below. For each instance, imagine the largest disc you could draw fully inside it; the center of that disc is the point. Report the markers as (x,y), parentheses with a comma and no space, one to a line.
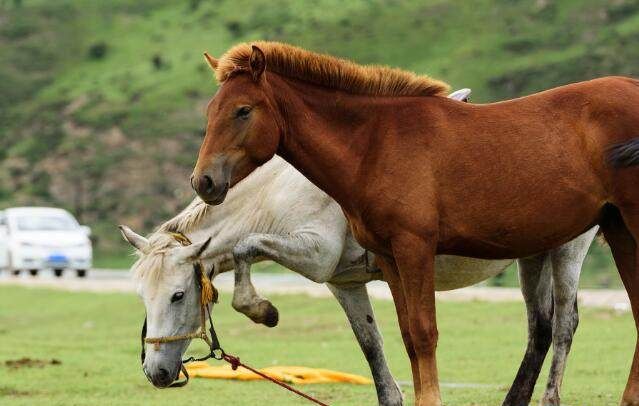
(101,103)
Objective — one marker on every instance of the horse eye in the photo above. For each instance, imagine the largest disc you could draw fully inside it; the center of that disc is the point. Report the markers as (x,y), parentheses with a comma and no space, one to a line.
(177,296)
(243,112)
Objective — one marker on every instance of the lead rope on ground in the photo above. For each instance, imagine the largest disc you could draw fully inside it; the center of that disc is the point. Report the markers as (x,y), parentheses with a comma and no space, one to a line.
(235,363)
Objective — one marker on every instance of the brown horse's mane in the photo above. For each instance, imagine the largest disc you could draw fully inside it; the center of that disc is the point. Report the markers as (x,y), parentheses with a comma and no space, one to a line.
(329,71)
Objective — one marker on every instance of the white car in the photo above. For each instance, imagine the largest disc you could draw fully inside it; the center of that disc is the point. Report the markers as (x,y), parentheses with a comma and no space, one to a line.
(36,238)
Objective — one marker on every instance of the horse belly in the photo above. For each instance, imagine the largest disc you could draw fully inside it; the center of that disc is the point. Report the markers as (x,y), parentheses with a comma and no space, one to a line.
(454,272)
(519,236)
(522,214)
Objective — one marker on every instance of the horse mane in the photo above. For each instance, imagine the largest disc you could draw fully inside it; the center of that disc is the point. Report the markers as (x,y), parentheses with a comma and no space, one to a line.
(329,71)
(150,263)
(188,218)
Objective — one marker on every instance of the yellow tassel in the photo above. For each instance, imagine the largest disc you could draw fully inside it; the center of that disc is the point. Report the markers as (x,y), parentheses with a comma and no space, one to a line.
(209,293)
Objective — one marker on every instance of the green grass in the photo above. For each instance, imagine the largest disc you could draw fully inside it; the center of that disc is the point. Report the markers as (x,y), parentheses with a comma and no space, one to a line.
(113,259)
(96,337)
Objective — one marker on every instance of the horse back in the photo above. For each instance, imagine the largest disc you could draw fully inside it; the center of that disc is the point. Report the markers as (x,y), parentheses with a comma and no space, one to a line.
(495,180)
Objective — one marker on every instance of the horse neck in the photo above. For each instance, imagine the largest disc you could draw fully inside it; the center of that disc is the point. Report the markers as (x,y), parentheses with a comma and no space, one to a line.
(325,135)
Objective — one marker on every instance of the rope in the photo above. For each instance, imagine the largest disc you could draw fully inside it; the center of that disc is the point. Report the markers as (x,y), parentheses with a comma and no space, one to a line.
(235,363)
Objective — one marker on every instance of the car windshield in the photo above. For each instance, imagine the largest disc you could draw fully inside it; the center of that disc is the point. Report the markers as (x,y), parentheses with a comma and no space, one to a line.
(46,223)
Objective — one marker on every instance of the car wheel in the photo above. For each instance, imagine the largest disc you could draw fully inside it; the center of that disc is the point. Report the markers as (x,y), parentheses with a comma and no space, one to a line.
(58,272)
(15,272)
(81,273)
(33,272)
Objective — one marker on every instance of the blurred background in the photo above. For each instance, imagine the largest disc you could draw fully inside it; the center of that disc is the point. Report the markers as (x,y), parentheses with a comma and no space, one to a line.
(101,103)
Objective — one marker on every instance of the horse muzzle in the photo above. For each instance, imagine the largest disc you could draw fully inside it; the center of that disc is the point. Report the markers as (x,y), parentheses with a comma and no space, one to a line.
(162,377)
(211,192)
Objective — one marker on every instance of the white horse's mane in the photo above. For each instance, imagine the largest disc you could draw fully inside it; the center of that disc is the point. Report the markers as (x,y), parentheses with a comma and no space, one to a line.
(188,218)
(149,263)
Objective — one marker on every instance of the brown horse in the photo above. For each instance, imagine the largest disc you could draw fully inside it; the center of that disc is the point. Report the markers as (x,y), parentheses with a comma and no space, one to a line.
(418,174)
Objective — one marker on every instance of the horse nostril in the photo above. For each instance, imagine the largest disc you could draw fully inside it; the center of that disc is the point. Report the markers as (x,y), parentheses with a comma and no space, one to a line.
(203,185)
(208,184)
(164,378)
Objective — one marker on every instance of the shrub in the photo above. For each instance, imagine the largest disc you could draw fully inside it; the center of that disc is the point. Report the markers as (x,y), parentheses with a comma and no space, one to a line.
(98,50)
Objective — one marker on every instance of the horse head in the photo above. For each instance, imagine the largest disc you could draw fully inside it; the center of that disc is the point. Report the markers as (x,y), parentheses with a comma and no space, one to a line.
(171,291)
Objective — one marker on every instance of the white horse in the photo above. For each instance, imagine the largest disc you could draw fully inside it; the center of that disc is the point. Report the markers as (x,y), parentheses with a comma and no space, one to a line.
(277,214)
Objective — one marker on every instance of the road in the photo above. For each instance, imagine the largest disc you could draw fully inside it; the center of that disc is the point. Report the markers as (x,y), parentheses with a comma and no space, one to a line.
(107,280)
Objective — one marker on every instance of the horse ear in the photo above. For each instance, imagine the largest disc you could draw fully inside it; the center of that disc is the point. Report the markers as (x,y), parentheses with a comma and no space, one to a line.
(192,252)
(213,63)
(137,241)
(460,95)
(257,63)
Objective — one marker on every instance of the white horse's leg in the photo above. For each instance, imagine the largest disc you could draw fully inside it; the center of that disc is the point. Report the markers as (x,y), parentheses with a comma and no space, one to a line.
(536,286)
(307,254)
(357,307)
(566,262)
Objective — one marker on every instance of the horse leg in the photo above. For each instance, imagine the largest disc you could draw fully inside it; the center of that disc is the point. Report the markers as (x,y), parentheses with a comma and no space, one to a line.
(359,311)
(310,256)
(536,287)
(566,267)
(415,259)
(621,234)
(391,276)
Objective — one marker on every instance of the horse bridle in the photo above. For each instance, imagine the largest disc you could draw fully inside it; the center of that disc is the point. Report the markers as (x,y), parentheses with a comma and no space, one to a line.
(208,295)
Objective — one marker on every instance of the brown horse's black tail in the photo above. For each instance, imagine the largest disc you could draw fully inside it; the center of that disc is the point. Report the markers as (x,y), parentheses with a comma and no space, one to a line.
(624,154)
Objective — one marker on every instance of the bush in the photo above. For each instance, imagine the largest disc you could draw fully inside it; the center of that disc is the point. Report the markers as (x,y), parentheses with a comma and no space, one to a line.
(98,50)
(17,28)
(235,28)
(621,10)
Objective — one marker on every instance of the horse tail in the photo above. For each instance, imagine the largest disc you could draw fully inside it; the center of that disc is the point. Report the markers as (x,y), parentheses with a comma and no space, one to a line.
(624,154)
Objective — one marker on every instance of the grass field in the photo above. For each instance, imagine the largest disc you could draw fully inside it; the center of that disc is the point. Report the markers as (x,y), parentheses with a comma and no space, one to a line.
(95,337)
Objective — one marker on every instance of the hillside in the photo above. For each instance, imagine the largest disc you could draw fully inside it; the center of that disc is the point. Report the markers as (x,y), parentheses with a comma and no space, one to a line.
(101,103)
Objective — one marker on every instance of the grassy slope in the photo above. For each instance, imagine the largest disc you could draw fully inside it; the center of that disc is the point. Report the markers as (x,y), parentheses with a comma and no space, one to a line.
(499,48)
(96,338)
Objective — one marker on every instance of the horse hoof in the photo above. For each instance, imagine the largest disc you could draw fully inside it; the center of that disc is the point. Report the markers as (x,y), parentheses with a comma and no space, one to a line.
(271,315)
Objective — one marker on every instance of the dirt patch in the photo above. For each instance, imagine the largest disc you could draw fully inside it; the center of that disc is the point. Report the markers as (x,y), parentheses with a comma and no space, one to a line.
(30,363)
(9,391)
